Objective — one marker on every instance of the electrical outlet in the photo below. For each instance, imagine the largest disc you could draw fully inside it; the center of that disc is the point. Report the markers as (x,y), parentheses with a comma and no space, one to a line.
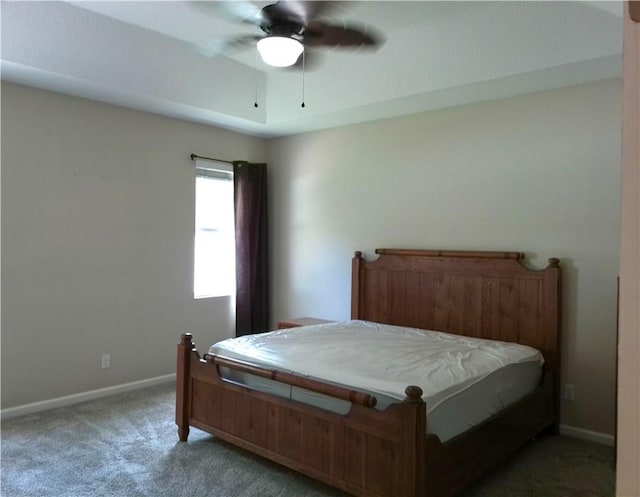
(568,392)
(106,361)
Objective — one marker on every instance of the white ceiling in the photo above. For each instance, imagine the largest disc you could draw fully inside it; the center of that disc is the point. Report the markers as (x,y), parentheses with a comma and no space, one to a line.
(157,56)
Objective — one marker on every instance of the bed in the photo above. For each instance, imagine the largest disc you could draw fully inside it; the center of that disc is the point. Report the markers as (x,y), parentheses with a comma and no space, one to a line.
(391,452)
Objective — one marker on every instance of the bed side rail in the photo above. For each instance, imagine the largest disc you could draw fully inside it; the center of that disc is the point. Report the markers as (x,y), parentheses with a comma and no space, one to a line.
(338,392)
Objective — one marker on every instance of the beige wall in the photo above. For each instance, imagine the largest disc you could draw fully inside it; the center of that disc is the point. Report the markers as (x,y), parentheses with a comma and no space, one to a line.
(97,242)
(97,225)
(538,173)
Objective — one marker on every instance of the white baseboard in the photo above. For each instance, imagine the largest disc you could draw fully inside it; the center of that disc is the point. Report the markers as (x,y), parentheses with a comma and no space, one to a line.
(44,405)
(591,436)
(11,412)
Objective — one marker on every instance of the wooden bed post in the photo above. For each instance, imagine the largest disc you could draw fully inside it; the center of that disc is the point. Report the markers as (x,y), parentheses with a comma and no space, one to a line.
(553,325)
(414,436)
(183,391)
(355,285)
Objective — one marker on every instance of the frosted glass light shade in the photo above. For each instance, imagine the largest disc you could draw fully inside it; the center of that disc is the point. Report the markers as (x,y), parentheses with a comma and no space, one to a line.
(279,51)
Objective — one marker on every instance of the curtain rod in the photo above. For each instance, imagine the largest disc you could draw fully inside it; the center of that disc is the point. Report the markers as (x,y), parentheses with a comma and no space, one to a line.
(194,157)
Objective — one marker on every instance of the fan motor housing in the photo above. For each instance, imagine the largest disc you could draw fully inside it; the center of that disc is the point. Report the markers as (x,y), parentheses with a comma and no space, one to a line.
(275,24)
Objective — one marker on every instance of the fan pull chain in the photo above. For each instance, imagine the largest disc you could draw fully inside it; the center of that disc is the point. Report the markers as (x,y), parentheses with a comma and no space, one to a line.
(303,79)
(255,65)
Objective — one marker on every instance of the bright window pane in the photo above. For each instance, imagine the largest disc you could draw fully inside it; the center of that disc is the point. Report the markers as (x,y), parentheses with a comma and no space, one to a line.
(214,256)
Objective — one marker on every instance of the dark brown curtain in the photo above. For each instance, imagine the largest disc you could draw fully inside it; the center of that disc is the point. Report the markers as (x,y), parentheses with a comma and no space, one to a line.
(252,282)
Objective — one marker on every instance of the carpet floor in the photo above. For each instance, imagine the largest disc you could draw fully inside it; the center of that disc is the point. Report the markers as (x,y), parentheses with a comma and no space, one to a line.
(126,446)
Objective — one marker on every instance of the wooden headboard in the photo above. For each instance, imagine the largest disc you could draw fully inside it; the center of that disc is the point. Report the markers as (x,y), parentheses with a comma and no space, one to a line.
(478,294)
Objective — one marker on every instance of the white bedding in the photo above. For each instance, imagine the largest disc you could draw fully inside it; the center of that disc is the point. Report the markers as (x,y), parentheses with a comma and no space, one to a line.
(384,359)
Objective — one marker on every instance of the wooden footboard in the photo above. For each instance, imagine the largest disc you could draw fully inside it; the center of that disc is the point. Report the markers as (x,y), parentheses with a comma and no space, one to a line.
(365,452)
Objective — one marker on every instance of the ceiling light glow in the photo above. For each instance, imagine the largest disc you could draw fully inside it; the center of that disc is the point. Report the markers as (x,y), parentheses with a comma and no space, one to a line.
(280,51)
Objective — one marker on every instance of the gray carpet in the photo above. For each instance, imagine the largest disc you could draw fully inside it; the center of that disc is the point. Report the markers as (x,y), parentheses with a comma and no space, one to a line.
(126,445)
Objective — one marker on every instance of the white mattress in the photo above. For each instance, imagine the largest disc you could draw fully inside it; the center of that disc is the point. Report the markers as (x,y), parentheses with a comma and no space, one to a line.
(464,380)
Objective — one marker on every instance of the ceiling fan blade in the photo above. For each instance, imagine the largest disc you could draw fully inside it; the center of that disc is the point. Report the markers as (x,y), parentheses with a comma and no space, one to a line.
(309,11)
(309,60)
(225,47)
(240,42)
(236,11)
(331,35)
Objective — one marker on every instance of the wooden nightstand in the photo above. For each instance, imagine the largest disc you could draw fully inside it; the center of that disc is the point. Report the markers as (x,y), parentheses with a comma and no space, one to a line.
(295,322)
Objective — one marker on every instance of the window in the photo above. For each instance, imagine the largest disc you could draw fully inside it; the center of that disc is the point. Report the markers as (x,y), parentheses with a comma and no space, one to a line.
(214,253)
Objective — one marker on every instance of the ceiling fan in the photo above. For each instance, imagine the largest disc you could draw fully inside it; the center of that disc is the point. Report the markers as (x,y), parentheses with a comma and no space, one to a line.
(291,31)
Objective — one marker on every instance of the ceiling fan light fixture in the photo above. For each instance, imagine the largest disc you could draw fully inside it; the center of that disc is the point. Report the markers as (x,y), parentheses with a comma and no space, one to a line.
(279,51)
